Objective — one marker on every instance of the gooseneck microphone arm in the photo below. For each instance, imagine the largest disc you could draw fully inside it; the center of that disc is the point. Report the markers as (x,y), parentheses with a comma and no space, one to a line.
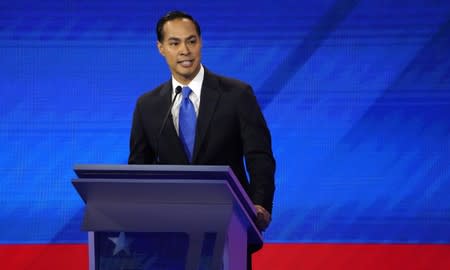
(164,123)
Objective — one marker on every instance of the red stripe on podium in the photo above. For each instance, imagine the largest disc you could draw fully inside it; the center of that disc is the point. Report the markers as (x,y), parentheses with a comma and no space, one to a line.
(271,257)
(44,257)
(353,257)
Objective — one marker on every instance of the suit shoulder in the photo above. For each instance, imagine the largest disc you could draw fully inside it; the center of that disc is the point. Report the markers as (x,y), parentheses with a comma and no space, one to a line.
(229,82)
(233,86)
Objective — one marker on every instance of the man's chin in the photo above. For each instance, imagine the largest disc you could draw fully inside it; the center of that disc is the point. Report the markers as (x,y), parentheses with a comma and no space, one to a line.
(187,73)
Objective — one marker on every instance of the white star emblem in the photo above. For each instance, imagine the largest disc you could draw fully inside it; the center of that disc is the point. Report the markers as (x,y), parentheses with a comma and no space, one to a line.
(122,243)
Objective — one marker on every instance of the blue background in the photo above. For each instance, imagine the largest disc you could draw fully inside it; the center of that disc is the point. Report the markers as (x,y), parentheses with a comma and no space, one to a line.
(356,94)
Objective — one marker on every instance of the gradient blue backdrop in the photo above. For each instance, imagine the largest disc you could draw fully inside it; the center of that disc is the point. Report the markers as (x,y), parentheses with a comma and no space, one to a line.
(356,94)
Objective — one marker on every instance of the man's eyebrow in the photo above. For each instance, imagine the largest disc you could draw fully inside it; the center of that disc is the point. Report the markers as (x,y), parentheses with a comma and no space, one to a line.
(178,39)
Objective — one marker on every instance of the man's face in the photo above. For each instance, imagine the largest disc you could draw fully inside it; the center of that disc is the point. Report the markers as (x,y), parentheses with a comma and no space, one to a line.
(181,46)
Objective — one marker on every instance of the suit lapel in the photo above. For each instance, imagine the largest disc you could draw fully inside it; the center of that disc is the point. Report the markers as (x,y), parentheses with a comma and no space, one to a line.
(210,96)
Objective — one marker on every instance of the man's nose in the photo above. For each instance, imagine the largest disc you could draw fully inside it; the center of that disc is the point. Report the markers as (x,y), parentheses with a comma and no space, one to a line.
(184,48)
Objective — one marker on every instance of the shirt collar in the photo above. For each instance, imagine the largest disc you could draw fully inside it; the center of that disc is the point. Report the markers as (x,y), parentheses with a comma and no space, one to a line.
(195,84)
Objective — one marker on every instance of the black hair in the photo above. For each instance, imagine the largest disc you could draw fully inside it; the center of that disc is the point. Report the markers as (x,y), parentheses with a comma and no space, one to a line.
(173,15)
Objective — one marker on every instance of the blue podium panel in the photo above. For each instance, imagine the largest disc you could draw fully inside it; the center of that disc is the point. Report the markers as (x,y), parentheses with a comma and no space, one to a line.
(141,251)
(149,251)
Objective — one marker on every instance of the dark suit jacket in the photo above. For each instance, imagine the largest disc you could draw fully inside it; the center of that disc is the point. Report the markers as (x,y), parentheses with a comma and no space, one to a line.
(230,126)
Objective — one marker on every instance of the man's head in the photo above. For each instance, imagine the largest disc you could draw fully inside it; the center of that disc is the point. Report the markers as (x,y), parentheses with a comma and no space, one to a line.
(179,41)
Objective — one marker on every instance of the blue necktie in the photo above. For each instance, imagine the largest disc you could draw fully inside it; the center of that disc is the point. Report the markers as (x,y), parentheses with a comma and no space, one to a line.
(187,122)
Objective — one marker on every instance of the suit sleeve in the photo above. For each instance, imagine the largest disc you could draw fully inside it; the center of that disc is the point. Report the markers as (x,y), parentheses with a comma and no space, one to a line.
(257,146)
(140,150)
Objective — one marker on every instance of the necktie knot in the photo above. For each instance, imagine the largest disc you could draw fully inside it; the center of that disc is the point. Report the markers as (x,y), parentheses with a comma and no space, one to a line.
(185,92)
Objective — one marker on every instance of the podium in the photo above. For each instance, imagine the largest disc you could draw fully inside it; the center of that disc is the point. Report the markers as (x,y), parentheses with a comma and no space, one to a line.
(165,217)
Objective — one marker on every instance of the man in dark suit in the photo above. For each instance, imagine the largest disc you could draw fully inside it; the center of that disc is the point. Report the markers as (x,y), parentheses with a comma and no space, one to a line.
(226,123)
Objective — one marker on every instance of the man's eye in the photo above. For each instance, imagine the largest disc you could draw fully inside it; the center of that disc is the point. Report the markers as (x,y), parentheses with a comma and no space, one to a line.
(173,43)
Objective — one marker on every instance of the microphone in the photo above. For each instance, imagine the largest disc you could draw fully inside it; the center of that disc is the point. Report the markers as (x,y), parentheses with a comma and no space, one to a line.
(164,123)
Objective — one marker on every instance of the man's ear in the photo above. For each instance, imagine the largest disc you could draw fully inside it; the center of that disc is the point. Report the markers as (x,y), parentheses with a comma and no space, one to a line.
(160,48)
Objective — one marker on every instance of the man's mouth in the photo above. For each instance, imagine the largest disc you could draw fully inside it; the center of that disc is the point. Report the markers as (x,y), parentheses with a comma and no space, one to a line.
(186,63)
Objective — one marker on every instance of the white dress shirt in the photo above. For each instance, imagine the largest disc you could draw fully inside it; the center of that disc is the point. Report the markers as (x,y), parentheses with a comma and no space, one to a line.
(196,86)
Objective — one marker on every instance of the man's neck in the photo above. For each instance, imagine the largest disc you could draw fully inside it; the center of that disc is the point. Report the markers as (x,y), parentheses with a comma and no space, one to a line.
(186,80)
